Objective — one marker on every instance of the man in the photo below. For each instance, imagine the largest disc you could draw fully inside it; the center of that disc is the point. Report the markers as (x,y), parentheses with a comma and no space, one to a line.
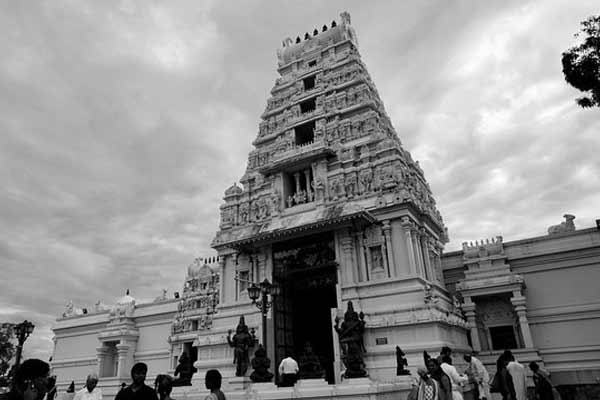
(480,376)
(30,380)
(518,374)
(456,378)
(90,391)
(288,370)
(138,390)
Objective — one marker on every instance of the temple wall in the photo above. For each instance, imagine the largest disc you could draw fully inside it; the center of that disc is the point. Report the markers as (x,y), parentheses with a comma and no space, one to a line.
(561,275)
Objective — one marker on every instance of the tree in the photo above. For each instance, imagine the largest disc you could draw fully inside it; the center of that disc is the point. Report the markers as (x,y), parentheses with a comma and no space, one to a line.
(581,64)
(7,351)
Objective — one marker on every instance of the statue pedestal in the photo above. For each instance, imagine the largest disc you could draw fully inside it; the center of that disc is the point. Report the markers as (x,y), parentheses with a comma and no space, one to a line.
(313,388)
(310,383)
(239,383)
(351,386)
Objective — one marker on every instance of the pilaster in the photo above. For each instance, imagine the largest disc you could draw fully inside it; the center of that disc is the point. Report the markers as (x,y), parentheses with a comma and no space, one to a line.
(409,226)
(387,233)
(122,365)
(468,308)
(519,302)
(348,271)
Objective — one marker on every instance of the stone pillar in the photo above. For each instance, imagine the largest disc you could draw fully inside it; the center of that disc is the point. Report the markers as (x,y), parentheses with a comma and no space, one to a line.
(519,302)
(221,280)
(408,226)
(471,316)
(387,234)
(416,242)
(122,353)
(307,177)
(360,255)
(423,246)
(101,356)
(297,179)
(347,245)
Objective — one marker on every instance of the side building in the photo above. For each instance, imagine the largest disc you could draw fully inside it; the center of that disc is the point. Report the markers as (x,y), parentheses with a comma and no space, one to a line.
(539,297)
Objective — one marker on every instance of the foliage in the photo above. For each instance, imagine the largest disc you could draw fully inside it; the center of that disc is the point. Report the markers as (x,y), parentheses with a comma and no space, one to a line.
(7,351)
(581,64)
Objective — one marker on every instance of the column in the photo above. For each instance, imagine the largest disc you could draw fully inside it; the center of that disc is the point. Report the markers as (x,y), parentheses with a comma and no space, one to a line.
(408,226)
(297,180)
(519,302)
(307,177)
(418,253)
(469,310)
(347,245)
(360,254)
(221,270)
(122,352)
(101,356)
(387,234)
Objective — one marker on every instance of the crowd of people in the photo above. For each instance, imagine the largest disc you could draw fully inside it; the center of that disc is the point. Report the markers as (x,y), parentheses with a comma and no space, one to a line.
(441,380)
(32,381)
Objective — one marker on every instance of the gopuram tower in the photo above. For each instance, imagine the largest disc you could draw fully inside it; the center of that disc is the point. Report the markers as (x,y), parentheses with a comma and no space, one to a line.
(333,209)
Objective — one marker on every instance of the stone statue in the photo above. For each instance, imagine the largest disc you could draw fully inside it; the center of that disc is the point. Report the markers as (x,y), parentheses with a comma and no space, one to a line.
(401,362)
(350,334)
(185,370)
(69,309)
(261,364)
(566,226)
(241,342)
(309,364)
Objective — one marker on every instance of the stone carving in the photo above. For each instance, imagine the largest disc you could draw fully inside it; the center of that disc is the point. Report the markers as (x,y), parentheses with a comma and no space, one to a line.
(241,342)
(481,249)
(261,364)
(69,309)
(401,362)
(185,370)
(350,334)
(244,213)
(162,297)
(429,295)
(563,227)
(309,364)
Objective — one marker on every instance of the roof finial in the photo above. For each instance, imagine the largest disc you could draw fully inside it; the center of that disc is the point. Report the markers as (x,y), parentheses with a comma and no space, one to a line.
(306,36)
(298,39)
(333,24)
(315,32)
(127,292)
(324,28)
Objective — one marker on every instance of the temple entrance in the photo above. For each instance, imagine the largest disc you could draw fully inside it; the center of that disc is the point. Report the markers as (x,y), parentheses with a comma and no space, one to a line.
(306,273)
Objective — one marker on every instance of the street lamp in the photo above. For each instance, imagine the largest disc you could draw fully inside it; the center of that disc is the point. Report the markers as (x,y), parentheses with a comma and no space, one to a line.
(262,291)
(22,332)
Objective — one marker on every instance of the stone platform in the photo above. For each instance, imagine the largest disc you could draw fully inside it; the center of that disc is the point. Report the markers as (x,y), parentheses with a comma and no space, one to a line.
(355,389)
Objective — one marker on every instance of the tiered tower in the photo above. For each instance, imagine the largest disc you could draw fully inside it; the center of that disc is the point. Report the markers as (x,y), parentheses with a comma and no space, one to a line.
(328,166)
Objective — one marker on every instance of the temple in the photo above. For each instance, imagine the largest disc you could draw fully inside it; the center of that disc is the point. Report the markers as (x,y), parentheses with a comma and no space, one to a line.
(332,209)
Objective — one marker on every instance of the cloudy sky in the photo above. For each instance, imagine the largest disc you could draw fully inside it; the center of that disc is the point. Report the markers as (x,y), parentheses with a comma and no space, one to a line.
(122,123)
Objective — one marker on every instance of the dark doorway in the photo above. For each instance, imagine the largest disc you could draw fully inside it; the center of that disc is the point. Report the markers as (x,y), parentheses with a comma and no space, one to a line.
(306,272)
(503,337)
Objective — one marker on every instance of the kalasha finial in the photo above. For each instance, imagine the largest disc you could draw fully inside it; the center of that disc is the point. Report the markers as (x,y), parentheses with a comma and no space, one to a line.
(127,292)
(315,32)
(306,36)
(333,24)
(298,39)
(324,28)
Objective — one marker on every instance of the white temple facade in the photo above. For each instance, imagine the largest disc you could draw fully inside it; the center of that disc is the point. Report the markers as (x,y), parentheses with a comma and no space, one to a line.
(333,209)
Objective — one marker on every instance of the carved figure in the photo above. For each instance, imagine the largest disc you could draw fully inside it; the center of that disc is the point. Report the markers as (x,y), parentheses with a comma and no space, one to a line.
(350,334)
(241,342)
(310,365)
(290,201)
(69,309)
(401,362)
(185,370)
(566,226)
(319,188)
(261,364)
(244,213)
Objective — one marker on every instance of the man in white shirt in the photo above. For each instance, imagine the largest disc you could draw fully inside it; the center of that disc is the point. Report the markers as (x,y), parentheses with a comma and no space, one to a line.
(288,369)
(519,375)
(90,391)
(456,379)
(480,375)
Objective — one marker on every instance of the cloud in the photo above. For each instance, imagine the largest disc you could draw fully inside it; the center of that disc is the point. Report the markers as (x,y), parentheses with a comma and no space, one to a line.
(123,122)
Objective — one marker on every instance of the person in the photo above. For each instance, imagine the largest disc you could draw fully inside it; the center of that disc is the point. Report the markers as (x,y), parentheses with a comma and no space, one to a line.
(543,385)
(185,370)
(51,395)
(444,383)
(213,383)
(456,378)
(138,389)
(518,374)
(426,389)
(163,384)
(288,370)
(30,380)
(480,376)
(503,382)
(90,391)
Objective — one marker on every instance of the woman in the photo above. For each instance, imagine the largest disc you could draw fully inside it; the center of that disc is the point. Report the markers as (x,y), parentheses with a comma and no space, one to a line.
(213,383)
(503,381)
(163,386)
(543,386)
(444,384)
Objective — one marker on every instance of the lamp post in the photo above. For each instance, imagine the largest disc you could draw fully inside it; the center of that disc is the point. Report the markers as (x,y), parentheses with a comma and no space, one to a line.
(22,332)
(263,290)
